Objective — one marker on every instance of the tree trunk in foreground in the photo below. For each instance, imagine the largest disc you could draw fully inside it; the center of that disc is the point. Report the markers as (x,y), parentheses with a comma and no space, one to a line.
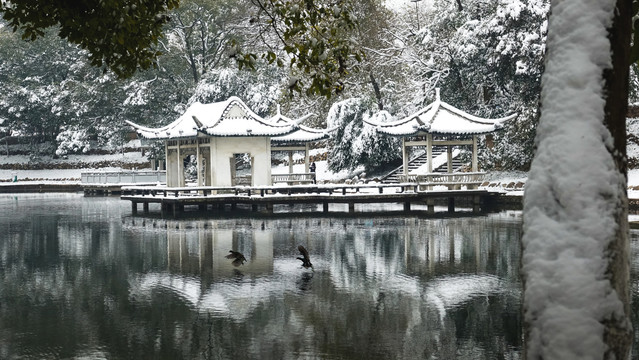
(618,333)
(575,248)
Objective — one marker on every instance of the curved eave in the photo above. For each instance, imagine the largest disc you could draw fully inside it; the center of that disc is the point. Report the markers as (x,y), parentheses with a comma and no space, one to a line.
(158,133)
(476,119)
(281,119)
(304,134)
(292,138)
(247,127)
(467,133)
(245,134)
(405,131)
(393,124)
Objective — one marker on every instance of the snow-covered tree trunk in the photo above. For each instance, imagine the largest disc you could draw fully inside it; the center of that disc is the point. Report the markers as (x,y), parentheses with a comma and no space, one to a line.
(575,259)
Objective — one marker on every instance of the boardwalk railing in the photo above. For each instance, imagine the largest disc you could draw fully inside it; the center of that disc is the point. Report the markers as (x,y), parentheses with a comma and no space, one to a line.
(123,177)
(291,179)
(175,199)
(196,191)
(454,181)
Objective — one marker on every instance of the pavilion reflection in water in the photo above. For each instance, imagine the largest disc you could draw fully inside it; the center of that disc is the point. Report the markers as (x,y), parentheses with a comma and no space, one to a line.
(436,262)
(391,287)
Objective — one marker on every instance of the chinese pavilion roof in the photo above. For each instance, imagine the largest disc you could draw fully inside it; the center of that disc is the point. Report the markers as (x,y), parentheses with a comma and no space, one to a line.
(226,118)
(440,118)
(302,134)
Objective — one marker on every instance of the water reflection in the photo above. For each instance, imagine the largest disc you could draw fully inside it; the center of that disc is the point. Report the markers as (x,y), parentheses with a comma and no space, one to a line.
(81,278)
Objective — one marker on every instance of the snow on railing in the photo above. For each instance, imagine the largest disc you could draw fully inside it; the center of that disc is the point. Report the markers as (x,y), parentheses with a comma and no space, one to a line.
(452,180)
(297,178)
(123,177)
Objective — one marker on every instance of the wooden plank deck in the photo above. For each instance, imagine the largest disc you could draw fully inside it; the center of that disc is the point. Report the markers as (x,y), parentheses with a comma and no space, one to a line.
(174,200)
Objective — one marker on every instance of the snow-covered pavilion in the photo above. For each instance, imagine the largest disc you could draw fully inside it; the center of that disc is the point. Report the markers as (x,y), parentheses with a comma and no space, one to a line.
(298,140)
(440,124)
(215,133)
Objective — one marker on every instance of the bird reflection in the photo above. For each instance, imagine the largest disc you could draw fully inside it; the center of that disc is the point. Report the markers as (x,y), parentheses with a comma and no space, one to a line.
(238,257)
(306,260)
(238,274)
(304,283)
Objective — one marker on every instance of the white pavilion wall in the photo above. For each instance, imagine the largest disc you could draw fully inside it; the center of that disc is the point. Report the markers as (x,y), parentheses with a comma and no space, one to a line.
(223,150)
(172,176)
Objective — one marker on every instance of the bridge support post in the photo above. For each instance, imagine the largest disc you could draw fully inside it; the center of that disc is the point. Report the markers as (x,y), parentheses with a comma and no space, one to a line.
(269,207)
(451,204)
(134,207)
(407,206)
(476,203)
(351,207)
(325,207)
(145,207)
(430,202)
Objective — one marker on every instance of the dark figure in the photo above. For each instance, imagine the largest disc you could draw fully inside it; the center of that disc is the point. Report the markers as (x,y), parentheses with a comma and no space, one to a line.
(306,260)
(312,168)
(238,257)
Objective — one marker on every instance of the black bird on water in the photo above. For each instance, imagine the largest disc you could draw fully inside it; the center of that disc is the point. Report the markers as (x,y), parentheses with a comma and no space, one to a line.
(238,257)
(306,260)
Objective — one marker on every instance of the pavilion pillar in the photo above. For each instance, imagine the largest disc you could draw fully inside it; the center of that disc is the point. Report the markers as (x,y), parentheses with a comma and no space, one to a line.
(290,161)
(429,151)
(404,157)
(306,158)
(180,166)
(166,160)
(449,156)
(475,166)
(269,156)
(199,161)
(212,163)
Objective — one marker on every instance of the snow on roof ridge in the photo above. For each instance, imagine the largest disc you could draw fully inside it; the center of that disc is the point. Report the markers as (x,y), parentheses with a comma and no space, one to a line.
(474,118)
(207,118)
(279,117)
(417,113)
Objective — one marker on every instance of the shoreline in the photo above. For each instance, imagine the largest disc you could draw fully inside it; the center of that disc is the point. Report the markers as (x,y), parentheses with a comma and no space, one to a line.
(509,200)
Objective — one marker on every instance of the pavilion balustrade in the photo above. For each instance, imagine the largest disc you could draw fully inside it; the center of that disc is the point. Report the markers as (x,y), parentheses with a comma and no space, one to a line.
(294,178)
(454,181)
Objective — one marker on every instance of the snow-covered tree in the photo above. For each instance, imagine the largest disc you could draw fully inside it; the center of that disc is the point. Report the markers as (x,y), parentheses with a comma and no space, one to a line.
(355,143)
(377,149)
(259,90)
(200,34)
(487,58)
(575,260)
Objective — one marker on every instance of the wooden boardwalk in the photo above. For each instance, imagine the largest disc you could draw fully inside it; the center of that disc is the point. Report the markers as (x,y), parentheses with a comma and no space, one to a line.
(263,198)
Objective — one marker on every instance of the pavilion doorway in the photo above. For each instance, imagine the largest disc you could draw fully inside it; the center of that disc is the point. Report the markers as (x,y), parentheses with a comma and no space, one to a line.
(242,169)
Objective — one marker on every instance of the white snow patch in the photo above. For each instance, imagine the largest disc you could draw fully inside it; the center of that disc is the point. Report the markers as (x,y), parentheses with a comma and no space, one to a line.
(569,217)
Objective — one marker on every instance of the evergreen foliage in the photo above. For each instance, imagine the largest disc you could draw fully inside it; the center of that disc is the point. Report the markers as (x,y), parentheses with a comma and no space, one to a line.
(489,60)
(486,58)
(355,143)
(119,34)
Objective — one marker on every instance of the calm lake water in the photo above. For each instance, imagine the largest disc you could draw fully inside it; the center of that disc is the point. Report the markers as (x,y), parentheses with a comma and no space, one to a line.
(80,278)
